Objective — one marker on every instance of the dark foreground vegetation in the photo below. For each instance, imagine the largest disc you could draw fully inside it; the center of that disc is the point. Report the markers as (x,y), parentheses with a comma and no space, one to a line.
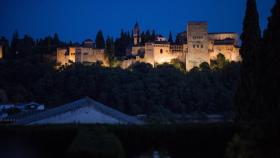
(90,141)
(257,101)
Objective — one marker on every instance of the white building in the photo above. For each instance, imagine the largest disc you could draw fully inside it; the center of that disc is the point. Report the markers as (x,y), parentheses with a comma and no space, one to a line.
(84,111)
(161,38)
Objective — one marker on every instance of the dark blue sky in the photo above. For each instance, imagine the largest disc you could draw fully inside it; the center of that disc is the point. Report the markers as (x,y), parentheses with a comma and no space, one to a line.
(79,19)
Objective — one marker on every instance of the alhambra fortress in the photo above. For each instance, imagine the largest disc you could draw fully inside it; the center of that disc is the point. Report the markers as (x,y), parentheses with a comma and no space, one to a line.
(197,46)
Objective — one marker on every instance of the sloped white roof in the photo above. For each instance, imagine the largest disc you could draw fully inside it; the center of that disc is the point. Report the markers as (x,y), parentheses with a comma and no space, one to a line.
(85,102)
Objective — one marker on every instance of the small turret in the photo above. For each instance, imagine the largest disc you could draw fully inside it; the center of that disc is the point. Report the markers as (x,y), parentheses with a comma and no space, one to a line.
(136,34)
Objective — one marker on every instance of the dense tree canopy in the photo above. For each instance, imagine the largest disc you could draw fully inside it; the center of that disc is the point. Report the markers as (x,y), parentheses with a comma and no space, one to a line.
(142,89)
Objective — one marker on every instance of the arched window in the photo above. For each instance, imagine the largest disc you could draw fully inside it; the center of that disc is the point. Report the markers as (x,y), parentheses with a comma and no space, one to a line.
(161,51)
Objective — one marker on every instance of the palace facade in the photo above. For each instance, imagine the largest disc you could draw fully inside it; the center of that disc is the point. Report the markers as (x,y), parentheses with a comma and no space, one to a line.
(86,53)
(196,46)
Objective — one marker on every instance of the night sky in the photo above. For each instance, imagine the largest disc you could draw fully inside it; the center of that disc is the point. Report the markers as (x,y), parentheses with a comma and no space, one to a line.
(79,19)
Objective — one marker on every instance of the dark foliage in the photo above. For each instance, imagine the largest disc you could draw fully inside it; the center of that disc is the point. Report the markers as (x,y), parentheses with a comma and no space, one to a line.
(258,102)
(268,70)
(100,42)
(170,38)
(250,49)
(142,89)
(124,42)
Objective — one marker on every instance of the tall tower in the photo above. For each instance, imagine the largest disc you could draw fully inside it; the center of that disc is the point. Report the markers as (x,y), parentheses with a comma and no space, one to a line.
(197,35)
(136,34)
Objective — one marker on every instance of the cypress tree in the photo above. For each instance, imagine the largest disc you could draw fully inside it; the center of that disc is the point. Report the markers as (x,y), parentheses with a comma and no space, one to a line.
(260,137)
(148,36)
(109,50)
(143,38)
(56,40)
(100,42)
(170,39)
(153,35)
(251,40)
(269,66)
(14,44)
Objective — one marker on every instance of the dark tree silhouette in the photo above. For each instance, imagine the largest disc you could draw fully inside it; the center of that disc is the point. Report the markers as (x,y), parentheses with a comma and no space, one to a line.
(100,42)
(268,70)
(251,41)
(109,49)
(14,45)
(143,38)
(148,36)
(170,39)
(56,41)
(259,126)
(153,35)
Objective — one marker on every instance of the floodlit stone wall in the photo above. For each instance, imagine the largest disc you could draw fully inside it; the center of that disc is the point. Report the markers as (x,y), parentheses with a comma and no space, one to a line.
(1,52)
(230,52)
(61,56)
(137,49)
(81,55)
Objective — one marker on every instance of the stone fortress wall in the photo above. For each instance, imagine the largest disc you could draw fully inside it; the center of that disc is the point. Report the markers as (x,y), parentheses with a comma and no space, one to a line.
(200,46)
(82,54)
(1,52)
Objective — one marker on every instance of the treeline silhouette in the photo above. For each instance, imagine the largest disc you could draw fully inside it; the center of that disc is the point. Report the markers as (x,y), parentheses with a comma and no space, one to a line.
(142,89)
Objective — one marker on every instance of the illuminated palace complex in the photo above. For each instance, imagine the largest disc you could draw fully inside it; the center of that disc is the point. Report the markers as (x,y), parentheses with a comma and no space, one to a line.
(196,46)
